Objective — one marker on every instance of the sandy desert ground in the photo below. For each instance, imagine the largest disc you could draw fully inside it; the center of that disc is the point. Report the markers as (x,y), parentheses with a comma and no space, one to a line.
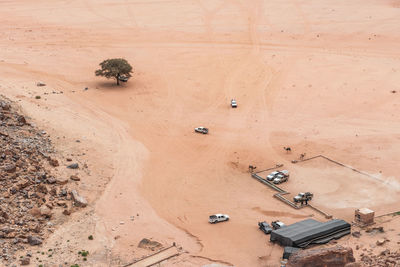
(319,76)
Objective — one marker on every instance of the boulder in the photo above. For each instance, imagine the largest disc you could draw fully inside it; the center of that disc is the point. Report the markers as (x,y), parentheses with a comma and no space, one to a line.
(74,178)
(62,204)
(4,105)
(73,166)
(62,181)
(380,242)
(25,261)
(53,162)
(356,234)
(149,244)
(40,84)
(35,212)
(34,240)
(53,191)
(67,212)
(7,230)
(3,214)
(79,201)
(42,189)
(45,211)
(385,252)
(375,230)
(51,180)
(336,256)
(22,184)
(10,168)
(21,120)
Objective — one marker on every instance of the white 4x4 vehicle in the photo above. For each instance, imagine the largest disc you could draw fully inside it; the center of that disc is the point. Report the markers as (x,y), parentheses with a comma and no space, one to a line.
(280,178)
(278,174)
(123,78)
(218,218)
(285,173)
(233,103)
(202,130)
(272,175)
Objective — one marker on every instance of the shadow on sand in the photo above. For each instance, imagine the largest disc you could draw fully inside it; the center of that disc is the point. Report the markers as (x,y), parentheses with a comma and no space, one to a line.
(112,85)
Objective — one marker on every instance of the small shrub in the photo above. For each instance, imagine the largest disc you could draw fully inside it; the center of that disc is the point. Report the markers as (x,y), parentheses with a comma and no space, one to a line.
(90,237)
(38,97)
(84,253)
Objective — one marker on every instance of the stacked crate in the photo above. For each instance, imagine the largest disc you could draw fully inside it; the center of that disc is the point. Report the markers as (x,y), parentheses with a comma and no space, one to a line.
(364,216)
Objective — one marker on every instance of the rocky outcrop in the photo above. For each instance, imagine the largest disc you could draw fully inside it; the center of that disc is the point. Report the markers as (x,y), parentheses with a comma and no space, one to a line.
(385,258)
(336,256)
(30,192)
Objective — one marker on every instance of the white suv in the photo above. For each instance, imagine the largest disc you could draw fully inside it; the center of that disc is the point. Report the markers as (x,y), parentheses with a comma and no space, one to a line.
(215,218)
(202,130)
(282,175)
(233,103)
(272,175)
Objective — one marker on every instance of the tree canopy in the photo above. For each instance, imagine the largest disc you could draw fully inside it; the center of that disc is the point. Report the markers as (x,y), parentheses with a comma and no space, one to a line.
(117,68)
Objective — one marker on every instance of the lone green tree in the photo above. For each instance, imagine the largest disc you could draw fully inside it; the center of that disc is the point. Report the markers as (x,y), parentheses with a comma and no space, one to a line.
(117,68)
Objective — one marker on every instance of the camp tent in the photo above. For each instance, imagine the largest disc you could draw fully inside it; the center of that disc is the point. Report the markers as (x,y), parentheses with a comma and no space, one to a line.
(304,233)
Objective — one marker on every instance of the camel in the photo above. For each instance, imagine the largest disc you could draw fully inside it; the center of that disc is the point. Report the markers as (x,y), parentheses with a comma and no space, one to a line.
(288,149)
(252,168)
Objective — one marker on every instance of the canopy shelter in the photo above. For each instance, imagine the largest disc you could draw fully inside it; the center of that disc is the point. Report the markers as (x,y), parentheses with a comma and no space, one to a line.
(304,233)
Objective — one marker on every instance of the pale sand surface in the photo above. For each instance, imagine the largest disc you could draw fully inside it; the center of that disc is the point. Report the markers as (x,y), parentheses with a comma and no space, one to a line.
(313,75)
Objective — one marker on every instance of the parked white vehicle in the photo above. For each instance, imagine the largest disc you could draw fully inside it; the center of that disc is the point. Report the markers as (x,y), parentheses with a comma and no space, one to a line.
(123,78)
(272,175)
(233,103)
(282,175)
(202,130)
(303,197)
(280,178)
(215,218)
(285,173)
